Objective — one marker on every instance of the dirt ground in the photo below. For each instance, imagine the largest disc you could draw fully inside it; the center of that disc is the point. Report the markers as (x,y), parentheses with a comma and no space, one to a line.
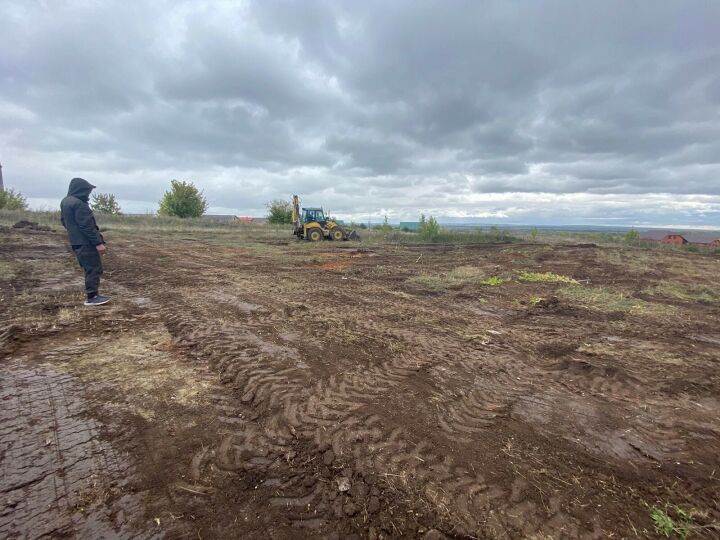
(282,390)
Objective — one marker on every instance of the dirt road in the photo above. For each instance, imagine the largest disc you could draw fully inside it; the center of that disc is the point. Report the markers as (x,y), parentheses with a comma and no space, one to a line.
(280,390)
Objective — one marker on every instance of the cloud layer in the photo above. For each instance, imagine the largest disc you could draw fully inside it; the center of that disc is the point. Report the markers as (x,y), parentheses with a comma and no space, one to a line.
(549,112)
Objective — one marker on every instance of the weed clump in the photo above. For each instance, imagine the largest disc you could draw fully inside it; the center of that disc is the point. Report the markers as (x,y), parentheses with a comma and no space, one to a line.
(673,520)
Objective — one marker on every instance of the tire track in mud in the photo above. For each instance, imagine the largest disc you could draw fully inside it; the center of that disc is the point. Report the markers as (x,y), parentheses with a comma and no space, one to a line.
(330,415)
(55,466)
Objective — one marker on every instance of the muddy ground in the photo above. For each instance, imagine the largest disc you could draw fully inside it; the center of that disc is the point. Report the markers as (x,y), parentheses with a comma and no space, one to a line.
(275,389)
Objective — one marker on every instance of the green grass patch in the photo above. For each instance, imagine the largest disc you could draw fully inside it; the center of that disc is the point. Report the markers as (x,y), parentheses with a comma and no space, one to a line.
(544,277)
(609,300)
(493,281)
(686,292)
(673,521)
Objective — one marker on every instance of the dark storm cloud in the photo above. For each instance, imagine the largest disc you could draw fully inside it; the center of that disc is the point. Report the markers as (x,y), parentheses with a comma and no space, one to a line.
(368,105)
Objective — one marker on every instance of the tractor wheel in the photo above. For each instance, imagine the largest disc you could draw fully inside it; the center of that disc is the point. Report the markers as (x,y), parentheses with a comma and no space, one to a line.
(337,234)
(315,234)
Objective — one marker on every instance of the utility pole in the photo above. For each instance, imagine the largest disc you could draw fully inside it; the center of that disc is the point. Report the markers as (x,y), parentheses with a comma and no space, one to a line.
(1,180)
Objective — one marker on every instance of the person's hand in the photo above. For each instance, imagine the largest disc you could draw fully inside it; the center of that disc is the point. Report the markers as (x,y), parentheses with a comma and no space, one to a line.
(102,250)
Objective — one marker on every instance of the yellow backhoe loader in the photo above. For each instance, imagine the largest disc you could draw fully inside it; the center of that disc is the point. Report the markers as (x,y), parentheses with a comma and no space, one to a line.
(311,224)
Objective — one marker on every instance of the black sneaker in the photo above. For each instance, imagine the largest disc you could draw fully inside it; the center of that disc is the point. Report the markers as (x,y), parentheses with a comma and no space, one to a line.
(98,300)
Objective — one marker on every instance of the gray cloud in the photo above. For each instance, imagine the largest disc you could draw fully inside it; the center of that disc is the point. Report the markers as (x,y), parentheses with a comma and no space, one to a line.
(369,107)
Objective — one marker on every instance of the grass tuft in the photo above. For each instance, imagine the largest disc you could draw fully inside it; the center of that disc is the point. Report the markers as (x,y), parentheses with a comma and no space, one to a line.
(680,523)
(545,276)
(493,281)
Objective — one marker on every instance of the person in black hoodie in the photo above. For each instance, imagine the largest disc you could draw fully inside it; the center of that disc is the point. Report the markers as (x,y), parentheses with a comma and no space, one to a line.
(85,238)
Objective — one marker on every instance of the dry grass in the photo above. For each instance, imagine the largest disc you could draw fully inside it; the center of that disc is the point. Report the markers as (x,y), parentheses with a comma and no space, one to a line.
(608,300)
(459,277)
(549,277)
(8,270)
(141,366)
(686,292)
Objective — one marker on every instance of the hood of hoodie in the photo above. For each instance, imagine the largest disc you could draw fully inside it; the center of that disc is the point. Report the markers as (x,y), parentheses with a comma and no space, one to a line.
(80,188)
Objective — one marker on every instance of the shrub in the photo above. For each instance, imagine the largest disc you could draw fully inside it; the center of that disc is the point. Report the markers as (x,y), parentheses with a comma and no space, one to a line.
(429,229)
(12,200)
(279,212)
(385,228)
(105,203)
(183,200)
(631,237)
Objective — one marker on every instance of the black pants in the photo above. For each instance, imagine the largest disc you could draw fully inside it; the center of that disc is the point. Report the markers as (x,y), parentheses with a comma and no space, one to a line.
(89,260)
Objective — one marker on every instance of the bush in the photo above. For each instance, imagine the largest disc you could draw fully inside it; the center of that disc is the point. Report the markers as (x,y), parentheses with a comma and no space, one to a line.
(105,203)
(279,212)
(631,237)
(429,229)
(385,228)
(12,200)
(183,200)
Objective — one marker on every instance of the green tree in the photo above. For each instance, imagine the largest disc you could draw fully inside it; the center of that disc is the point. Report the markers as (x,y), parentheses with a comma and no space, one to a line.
(631,237)
(534,233)
(12,200)
(429,229)
(183,200)
(279,212)
(105,203)
(385,228)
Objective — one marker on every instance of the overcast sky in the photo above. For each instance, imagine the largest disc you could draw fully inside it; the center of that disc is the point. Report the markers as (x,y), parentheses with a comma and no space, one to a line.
(514,112)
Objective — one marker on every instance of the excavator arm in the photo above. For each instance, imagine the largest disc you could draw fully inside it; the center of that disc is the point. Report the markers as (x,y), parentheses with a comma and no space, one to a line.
(296,211)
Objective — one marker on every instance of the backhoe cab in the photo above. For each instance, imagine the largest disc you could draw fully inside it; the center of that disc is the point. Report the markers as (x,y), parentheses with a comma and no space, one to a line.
(311,224)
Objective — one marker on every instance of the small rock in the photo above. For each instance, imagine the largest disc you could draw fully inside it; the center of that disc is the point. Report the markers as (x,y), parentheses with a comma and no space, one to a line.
(343,484)
(434,534)
(373,505)
(328,457)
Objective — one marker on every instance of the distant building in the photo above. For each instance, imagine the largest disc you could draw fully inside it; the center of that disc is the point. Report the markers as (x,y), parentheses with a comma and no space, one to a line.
(410,225)
(249,219)
(678,239)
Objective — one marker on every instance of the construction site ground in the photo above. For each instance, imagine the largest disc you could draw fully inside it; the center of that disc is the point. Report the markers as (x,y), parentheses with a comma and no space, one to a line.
(270,388)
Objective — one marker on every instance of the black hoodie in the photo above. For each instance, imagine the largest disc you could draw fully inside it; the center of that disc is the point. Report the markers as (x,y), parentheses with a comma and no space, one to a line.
(77,217)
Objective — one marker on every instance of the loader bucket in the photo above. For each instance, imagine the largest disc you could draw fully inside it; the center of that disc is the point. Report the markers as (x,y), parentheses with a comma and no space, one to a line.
(352,235)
